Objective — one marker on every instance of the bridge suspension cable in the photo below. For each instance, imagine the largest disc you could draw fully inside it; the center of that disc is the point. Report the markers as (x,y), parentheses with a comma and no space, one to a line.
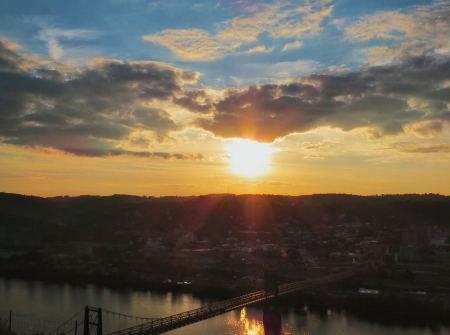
(128,316)
(26,324)
(73,318)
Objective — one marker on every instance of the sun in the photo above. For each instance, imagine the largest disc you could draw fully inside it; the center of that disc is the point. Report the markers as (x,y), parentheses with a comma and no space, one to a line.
(249,158)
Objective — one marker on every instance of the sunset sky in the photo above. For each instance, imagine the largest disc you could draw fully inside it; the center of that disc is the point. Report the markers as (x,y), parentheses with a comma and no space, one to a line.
(186,97)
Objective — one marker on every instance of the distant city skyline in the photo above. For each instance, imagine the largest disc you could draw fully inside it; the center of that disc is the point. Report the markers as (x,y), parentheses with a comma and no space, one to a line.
(184,98)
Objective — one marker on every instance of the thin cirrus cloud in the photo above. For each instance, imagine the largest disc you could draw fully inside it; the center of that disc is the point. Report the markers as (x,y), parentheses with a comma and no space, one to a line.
(261,183)
(53,36)
(293,45)
(192,44)
(411,97)
(259,48)
(88,112)
(420,148)
(411,32)
(279,20)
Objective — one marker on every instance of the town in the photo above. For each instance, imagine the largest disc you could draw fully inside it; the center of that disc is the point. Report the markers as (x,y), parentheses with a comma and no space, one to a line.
(219,245)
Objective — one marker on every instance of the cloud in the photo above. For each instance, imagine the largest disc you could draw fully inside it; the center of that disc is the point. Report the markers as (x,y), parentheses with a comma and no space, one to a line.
(195,101)
(247,28)
(339,23)
(420,148)
(192,44)
(261,183)
(383,100)
(309,23)
(314,156)
(293,45)
(309,146)
(9,60)
(91,152)
(433,128)
(276,71)
(10,45)
(53,36)
(279,20)
(259,48)
(413,32)
(340,68)
(89,110)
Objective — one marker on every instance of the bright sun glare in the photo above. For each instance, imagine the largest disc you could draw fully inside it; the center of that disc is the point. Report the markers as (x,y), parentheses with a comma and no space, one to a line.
(249,158)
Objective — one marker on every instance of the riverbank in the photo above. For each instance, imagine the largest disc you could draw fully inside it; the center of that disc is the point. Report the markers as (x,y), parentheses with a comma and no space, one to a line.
(202,288)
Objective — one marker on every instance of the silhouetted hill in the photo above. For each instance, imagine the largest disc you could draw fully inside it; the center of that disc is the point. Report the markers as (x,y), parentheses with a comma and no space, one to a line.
(101,218)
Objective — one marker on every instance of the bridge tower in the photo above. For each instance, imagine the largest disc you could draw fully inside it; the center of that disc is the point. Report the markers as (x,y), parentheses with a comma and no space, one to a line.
(271,312)
(92,321)
(271,283)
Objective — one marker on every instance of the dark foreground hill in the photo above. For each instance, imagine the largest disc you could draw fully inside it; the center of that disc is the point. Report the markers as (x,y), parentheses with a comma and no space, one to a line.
(101,218)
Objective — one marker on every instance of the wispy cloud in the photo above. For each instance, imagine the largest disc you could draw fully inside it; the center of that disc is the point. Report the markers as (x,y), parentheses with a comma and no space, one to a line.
(340,68)
(53,37)
(293,45)
(275,72)
(314,156)
(279,20)
(77,150)
(418,30)
(259,48)
(420,148)
(315,146)
(193,44)
(263,183)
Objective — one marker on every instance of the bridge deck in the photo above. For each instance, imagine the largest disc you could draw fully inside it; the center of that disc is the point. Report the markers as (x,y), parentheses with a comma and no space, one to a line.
(166,324)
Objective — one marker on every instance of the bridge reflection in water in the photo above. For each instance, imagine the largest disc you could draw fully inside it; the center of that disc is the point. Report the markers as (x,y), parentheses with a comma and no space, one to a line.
(272,320)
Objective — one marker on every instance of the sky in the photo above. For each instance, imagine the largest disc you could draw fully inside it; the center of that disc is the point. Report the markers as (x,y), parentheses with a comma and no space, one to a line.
(161,98)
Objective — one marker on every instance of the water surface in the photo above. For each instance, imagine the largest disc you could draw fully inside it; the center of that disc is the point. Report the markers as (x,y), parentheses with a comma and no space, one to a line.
(39,306)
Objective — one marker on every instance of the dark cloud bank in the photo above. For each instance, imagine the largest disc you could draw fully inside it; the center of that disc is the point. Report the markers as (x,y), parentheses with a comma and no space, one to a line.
(386,100)
(87,112)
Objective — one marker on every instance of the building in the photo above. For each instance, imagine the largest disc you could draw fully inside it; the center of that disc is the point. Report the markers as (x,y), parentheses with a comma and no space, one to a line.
(417,236)
(367,291)
(409,253)
(374,251)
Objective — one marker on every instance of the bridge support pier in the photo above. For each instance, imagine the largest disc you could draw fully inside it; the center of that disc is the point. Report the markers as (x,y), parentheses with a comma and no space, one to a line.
(271,312)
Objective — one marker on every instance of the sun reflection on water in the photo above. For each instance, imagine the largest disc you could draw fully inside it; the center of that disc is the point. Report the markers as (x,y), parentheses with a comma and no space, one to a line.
(251,325)
(248,326)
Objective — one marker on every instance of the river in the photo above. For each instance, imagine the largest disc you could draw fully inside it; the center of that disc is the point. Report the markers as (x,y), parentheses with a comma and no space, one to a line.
(40,307)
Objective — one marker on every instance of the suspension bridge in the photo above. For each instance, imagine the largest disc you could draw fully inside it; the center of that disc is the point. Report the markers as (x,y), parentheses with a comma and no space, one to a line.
(89,320)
